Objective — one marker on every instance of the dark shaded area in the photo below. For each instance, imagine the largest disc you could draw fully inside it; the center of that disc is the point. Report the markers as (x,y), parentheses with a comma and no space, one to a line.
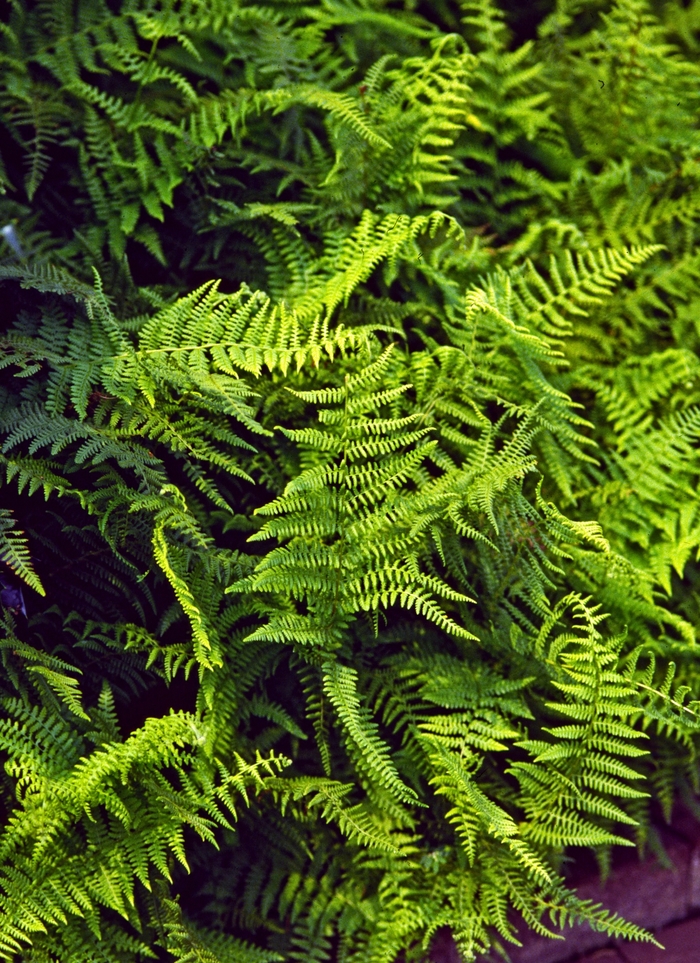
(158,699)
(524,19)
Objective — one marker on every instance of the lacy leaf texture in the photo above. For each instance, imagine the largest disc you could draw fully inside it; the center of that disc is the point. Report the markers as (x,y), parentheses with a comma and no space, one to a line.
(349,421)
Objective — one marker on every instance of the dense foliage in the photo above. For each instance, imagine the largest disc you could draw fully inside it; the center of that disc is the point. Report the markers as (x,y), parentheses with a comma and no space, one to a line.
(349,410)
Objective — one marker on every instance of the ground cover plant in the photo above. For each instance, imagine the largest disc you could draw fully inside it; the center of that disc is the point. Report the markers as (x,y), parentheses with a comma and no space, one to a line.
(349,410)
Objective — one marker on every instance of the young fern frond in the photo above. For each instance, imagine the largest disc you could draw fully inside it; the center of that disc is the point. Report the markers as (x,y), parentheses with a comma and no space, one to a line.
(14,552)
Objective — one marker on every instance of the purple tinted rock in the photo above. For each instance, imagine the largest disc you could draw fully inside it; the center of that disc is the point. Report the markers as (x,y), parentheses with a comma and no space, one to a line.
(649,894)
(644,893)
(608,955)
(443,949)
(681,942)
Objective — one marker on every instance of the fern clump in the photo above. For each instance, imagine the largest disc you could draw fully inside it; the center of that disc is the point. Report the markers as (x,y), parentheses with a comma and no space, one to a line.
(348,416)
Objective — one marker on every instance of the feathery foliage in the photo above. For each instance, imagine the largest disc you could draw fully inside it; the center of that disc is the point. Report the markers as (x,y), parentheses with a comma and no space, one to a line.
(349,406)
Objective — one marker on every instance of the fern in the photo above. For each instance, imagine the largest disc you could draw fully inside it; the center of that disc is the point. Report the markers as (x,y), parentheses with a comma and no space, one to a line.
(352,351)
(15,553)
